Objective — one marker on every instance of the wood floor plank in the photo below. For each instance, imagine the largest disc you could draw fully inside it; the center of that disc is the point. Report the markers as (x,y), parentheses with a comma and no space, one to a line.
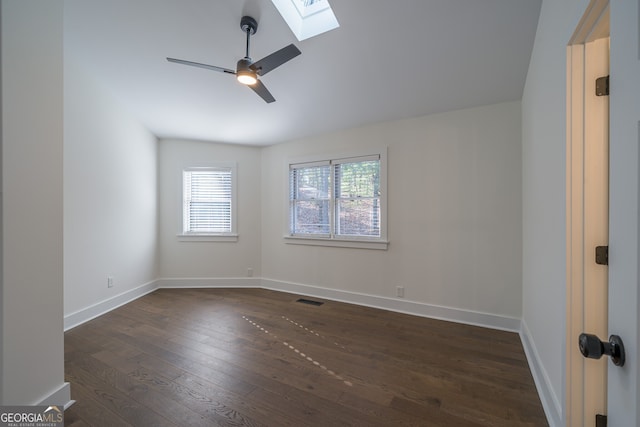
(115,401)
(251,357)
(90,411)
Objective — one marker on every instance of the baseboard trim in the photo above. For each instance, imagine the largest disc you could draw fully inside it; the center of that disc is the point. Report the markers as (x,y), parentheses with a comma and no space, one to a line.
(209,282)
(451,314)
(550,402)
(59,397)
(469,317)
(81,316)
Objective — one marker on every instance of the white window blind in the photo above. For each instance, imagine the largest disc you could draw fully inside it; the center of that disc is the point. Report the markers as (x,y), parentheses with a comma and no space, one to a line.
(208,200)
(338,198)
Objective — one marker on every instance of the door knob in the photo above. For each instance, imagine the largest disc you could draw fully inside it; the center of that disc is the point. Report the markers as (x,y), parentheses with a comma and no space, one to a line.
(592,348)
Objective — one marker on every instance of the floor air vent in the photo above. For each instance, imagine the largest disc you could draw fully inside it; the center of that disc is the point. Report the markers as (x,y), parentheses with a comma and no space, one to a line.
(310,302)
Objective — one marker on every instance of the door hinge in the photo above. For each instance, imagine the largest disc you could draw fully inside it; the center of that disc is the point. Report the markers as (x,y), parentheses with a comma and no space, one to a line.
(601,420)
(602,255)
(602,86)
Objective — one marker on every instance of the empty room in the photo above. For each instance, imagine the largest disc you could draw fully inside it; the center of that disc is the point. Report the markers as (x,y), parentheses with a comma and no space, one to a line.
(321,212)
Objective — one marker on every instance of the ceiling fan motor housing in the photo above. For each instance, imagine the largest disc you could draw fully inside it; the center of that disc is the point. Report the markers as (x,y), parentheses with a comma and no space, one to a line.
(244,65)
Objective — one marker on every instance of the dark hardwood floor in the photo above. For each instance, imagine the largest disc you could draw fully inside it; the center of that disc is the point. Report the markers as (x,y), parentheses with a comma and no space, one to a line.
(250,357)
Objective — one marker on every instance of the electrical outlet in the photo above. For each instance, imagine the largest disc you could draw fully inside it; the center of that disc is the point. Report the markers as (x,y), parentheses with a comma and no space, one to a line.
(400,291)
(109,281)
(249,272)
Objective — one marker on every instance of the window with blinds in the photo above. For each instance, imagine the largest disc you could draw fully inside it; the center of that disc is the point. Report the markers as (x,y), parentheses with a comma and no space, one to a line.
(208,201)
(338,199)
(309,195)
(357,197)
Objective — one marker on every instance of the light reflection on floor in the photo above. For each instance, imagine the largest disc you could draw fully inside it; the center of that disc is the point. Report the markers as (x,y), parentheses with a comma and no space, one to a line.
(297,351)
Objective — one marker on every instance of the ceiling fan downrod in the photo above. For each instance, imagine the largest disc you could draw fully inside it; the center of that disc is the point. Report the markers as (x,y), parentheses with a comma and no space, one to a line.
(249,26)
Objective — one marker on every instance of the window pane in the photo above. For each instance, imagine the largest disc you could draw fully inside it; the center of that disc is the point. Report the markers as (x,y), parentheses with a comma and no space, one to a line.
(311,183)
(358,217)
(361,179)
(311,216)
(357,187)
(309,193)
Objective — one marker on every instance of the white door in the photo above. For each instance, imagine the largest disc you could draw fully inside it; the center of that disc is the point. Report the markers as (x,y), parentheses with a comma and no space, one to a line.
(587,217)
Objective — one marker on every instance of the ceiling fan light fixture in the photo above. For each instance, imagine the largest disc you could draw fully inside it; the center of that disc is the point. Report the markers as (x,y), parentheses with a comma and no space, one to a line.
(244,73)
(247,77)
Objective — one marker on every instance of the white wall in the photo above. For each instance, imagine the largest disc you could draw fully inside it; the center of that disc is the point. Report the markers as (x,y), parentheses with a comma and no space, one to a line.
(454,213)
(208,260)
(32,143)
(110,195)
(544,196)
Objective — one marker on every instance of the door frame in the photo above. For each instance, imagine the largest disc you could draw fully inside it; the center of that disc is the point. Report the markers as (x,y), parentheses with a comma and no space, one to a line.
(594,25)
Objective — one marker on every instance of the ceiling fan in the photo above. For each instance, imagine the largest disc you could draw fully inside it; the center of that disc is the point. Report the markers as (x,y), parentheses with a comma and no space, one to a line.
(247,71)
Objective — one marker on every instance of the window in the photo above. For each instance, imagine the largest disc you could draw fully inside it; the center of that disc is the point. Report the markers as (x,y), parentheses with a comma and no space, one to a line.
(357,198)
(208,201)
(307,18)
(310,190)
(339,200)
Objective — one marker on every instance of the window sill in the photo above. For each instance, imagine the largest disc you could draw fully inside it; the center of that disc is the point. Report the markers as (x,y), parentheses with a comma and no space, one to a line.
(207,237)
(337,243)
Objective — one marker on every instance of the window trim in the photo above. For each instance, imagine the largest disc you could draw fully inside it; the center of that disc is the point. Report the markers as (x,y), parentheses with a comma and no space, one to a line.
(337,242)
(231,236)
(359,242)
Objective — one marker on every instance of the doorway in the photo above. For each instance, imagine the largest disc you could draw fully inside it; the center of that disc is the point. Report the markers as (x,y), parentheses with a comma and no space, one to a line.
(587,211)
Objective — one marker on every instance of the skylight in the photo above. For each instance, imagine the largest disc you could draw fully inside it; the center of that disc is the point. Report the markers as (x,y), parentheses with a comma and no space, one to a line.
(307,18)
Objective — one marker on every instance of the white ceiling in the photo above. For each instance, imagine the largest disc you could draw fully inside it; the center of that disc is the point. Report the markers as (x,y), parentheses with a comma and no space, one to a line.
(389,59)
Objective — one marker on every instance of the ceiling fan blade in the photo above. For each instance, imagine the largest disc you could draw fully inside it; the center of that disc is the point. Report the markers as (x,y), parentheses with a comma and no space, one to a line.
(275,60)
(205,66)
(263,92)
